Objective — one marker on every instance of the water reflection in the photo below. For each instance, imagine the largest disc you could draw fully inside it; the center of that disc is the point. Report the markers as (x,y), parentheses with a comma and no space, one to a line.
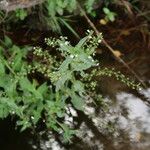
(138,111)
(129,115)
(137,122)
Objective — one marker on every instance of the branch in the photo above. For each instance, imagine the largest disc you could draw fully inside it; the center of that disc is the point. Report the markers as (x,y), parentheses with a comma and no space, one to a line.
(109,47)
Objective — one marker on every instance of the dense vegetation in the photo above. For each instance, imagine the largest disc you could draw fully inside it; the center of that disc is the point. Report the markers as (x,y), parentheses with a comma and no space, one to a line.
(37,84)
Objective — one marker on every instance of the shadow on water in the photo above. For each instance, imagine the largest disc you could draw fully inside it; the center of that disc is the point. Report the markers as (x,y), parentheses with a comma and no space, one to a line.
(11,139)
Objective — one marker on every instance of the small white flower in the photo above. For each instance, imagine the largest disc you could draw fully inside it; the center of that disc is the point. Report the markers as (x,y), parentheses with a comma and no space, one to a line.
(13,112)
(65,38)
(89,57)
(72,56)
(32,117)
(66,43)
(140,89)
(99,41)
(88,31)
(90,37)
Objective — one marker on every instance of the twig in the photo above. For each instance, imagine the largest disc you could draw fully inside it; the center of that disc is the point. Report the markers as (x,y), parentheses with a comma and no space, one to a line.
(109,47)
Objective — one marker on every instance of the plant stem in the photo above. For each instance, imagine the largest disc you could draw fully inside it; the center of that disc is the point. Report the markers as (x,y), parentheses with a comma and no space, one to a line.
(7,65)
(109,47)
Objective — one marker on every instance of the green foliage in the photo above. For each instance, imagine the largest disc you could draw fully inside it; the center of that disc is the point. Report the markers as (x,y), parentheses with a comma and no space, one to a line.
(89,7)
(26,97)
(109,15)
(21,14)
(54,10)
(52,13)
(59,6)
(64,81)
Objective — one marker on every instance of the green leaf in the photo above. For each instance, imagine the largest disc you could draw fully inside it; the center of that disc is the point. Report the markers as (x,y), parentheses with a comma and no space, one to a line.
(7,106)
(82,42)
(2,68)
(7,41)
(63,78)
(5,80)
(68,133)
(4,110)
(59,10)
(10,89)
(24,123)
(42,89)
(77,101)
(63,46)
(111,17)
(17,62)
(37,112)
(26,85)
(21,13)
(64,66)
(106,10)
(78,87)
(69,27)
(72,5)
(82,62)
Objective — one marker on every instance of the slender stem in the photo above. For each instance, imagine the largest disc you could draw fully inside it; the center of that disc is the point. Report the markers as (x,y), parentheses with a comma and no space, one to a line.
(7,65)
(109,47)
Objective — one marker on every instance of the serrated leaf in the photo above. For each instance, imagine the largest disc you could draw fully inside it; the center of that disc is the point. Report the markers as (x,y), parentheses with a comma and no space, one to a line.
(10,89)
(7,105)
(26,85)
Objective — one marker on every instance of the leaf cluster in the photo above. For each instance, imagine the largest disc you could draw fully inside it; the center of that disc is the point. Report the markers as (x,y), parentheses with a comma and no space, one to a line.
(24,96)
(67,80)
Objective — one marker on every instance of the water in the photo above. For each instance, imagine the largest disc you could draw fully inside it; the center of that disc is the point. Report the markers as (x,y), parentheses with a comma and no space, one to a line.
(130,116)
